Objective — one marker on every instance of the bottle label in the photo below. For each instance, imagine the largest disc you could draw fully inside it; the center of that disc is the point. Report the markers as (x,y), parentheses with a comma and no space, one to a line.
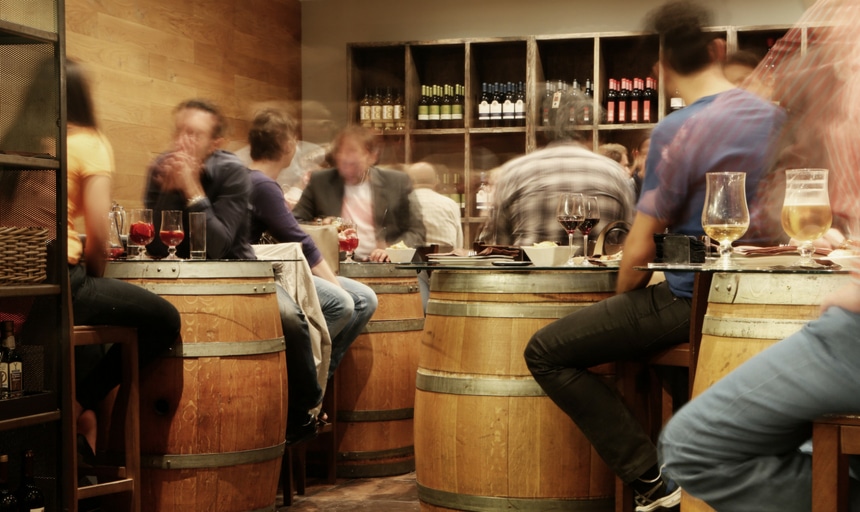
(388,112)
(434,112)
(445,112)
(586,114)
(634,111)
(364,113)
(16,378)
(520,109)
(556,99)
(4,378)
(376,112)
(423,113)
(610,112)
(646,111)
(508,109)
(622,111)
(456,111)
(398,112)
(495,110)
(484,110)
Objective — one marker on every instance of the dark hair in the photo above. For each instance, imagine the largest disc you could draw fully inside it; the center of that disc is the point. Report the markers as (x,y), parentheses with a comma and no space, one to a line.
(220,129)
(79,102)
(365,137)
(685,45)
(742,58)
(270,130)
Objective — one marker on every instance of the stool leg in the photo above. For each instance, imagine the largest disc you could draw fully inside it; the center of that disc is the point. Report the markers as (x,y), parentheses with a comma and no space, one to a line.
(829,470)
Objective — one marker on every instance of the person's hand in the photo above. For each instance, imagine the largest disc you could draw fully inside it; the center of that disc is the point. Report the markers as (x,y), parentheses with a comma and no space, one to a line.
(180,170)
(846,297)
(379,256)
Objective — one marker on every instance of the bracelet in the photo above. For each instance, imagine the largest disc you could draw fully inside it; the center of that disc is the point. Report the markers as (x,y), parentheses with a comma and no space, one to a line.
(194,200)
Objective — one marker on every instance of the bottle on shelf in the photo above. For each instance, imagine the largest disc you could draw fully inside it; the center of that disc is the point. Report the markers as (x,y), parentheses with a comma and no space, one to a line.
(376,111)
(484,105)
(424,108)
(520,106)
(635,101)
(483,195)
(587,118)
(30,497)
(623,102)
(435,107)
(676,102)
(11,365)
(364,110)
(649,101)
(496,106)
(8,501)
(388,110)
(508,104)
(611,101)
(445,107)
(556,100)
(573,115)
(399,111)
(446,188)
(457,106)
(546,104)
(461,198)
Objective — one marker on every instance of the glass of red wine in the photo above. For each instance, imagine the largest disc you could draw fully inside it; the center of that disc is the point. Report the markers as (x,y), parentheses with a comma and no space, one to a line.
(591,216)
(171,233)
(569,214)
(141,231)
(347,239)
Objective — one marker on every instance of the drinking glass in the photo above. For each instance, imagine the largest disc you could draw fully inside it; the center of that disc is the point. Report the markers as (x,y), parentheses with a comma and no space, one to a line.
(590,218)
(115,248)
(171,232)
(806,213)
(347,238)
(569,214)
(725,217)
(141,231)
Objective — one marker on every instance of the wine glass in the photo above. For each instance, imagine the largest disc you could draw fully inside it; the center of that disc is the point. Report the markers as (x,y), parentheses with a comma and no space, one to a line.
(569,214)
(347,238)
(115,249)
(725,217)
(171,232)
(141,231)
(591,216)
(806,213)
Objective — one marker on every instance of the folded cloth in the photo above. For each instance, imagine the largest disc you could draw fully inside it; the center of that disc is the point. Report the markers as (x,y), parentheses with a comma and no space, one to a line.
(749,250)
(502,250)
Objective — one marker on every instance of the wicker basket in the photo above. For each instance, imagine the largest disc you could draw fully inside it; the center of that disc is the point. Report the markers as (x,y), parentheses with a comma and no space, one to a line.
(23,255)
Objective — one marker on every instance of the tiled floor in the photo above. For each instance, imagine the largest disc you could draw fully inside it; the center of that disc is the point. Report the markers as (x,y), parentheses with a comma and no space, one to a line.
(387,494)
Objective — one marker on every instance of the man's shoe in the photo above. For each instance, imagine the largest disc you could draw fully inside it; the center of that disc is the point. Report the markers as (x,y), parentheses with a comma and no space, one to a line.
(304,432)
(665,495)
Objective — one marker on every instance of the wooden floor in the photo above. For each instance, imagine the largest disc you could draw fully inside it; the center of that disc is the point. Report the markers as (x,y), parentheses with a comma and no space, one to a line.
(386,494)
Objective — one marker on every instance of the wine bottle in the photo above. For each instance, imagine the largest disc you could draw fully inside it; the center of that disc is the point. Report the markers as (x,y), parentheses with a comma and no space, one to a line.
(520,106)
(30,497)
(482,195)
(623,98)
(8,501)
(457,106)
(387,110)
(574,117)
(508,105)
(376,111)
(611,100)
(461,198)
(484,105)
(496,106)
(446,106)
(364,110)
(446,188)
(556,101)
(635,98)
(399,111)
(649,102)
(435,106)
(589,96)
(546,104)
(11,366)
(423,108)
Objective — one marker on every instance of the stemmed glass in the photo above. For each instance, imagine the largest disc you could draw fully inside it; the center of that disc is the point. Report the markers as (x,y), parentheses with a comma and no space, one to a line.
(591,216)
(725,217)
(347,238)
(141,231)
(115,248)
(806,213)
(171,232)
(569,214)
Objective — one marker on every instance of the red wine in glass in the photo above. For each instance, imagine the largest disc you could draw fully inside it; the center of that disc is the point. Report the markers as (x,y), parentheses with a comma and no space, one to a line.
(141,233)
(569,222)
(587,225)
(171,238)
(115,252)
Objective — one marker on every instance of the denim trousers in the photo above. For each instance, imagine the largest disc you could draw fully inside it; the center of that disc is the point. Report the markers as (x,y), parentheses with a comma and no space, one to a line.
(736,445)
(346,309)
(628,326)
(304,391)
(105,301)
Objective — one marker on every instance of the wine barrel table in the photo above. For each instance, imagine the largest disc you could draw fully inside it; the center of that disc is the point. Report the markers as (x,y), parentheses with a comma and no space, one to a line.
(486,435)
(747,312)
(376,378)
(213,411)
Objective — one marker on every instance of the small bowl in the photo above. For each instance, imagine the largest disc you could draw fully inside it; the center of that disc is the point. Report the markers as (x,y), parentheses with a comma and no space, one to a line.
(400,255)
(549,256)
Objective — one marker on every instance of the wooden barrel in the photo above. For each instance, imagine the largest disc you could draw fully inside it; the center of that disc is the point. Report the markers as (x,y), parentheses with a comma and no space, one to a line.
(376,378)
(748,312)
(486,435)
(213,411)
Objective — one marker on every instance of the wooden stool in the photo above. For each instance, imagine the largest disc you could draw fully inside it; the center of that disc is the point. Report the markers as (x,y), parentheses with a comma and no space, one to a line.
(834,438)
(124,478)
(294,463)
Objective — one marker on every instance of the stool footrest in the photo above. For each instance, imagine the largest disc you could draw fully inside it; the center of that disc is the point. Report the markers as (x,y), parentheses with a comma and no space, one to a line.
(114,487)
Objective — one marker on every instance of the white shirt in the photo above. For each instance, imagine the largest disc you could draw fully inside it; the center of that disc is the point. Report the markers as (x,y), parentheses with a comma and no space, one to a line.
(358,207)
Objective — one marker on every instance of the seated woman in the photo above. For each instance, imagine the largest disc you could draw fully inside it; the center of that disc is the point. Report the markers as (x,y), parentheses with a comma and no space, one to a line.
(346,304)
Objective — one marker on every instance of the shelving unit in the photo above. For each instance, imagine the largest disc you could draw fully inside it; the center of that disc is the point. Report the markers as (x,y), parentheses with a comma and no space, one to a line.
(32,33)
(471,150)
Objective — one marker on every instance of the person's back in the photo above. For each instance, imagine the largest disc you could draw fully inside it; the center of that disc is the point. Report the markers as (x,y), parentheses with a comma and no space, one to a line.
(441,214)
(524,205)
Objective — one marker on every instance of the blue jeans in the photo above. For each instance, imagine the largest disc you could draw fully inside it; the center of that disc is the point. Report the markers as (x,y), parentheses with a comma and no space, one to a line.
(736,445)
(304,391)
(347,309)
(105,301)
(628,326)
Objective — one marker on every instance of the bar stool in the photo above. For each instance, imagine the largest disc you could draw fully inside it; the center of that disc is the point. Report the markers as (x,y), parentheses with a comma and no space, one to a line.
(121,479)
(834,438)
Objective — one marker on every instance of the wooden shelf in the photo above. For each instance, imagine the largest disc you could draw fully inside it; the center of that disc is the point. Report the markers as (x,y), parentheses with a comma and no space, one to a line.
(33,290)
(29,410)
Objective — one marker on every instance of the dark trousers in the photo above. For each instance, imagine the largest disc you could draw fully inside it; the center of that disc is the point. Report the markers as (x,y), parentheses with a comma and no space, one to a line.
(629,326)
